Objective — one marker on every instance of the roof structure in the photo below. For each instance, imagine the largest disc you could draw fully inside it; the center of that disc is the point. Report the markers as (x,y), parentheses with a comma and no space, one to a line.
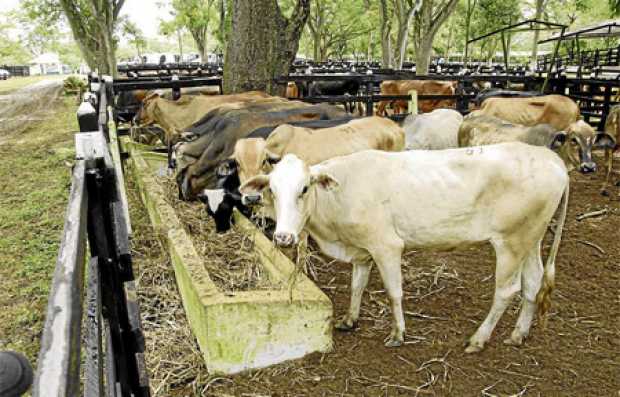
(610,28)
(523,26)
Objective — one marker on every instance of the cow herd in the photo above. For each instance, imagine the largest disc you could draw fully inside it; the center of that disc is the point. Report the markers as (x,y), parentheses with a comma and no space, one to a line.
(368,189)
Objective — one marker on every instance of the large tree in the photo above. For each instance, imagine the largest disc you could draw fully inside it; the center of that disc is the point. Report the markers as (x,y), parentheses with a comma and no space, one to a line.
(427,22)
(93,23)
(404,10)
(334,25)
(262,44)
(196,16)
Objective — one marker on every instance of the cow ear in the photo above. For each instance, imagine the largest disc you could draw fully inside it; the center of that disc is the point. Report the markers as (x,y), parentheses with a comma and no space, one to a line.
(324,180)
(604,141)
(272,158)
(559,138)
(254,184)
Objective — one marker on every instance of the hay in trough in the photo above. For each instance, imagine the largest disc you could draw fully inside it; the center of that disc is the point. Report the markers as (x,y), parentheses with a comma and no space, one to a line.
(173,358)
(229,257)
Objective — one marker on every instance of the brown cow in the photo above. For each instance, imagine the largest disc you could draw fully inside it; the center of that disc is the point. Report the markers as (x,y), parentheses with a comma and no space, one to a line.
(176,116)
(423,87)
(610,143)
(556,110)
(574,145)
(292,91)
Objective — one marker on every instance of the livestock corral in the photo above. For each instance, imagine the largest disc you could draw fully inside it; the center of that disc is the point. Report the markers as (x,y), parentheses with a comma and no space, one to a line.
(224,294)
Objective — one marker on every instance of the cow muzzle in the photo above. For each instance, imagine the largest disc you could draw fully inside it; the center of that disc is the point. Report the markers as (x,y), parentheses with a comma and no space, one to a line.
(251,199)
(284,239)
(587,167)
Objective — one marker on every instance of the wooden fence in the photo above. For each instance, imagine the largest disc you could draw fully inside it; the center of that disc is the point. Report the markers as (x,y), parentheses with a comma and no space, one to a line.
(97,212)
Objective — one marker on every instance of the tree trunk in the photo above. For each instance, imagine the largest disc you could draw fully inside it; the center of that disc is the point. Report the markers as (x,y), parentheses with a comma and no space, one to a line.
(423,56)
(428,22)
(471,6)
(262,45)
(386,30)
(539,9)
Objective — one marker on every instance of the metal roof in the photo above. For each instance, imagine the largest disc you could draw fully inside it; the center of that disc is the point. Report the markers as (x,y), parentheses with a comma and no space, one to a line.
(608,28)
(524,26)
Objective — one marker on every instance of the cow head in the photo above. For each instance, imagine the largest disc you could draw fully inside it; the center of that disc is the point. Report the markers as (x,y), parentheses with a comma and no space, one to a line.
(251,158)
(293,188)
(146,113)
(220,202)
(576,143)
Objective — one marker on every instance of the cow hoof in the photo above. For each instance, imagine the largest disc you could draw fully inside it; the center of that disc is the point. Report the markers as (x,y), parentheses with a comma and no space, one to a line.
(617,183)
(514,340)
(394,342)
(473,347)
(346,325)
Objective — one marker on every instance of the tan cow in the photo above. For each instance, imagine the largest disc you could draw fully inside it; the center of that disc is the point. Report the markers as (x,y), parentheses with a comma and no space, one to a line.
(556,110)
(574,145)
(423,87)
(610,143)
(315,145)
(176,116)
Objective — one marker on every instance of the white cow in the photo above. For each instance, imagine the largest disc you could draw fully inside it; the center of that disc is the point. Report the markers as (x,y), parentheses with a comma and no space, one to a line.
(436,130)
(373,205)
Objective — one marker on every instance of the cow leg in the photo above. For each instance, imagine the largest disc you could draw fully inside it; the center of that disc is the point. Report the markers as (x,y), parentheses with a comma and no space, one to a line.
(389,265)
(359,280)
(531,279)
(507,284)
(381,109)
(609,160)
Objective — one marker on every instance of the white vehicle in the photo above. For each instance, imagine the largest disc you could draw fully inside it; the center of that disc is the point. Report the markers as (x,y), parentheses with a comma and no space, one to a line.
(4,74)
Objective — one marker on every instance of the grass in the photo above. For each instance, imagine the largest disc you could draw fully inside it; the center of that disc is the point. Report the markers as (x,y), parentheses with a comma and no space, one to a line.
(15,83)
(35,174)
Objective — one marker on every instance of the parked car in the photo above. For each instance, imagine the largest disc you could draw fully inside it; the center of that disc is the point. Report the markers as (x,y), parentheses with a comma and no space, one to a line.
(4,74)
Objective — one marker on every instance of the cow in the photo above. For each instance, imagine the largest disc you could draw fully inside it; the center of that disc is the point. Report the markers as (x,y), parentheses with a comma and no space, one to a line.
(498,93)
(359,209)
(217,132)
(423,87)
(556,110)
(610,144)
(335,88)
(292,91)
(574,144)
(432,131)
(176,116)
(220,201)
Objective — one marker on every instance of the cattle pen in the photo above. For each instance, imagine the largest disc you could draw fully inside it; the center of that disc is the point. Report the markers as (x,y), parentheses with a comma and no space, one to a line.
(114,341)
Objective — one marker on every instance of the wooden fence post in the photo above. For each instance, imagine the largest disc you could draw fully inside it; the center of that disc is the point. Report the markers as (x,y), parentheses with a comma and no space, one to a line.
(413,102)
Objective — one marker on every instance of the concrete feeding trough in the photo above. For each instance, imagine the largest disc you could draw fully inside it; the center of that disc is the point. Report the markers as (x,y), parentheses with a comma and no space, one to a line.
(249,329)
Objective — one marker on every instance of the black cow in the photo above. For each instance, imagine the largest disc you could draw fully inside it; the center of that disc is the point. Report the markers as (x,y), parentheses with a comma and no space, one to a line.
(332,88)
(215,135)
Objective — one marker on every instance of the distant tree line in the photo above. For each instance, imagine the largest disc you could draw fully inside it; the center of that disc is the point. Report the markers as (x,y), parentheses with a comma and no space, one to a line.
(260,38)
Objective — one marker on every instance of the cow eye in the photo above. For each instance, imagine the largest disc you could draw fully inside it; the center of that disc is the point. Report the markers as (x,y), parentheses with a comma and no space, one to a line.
(305,190)
(574,142)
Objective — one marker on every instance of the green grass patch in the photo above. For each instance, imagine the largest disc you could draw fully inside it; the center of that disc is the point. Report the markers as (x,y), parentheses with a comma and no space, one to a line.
(36,175)
(15,83)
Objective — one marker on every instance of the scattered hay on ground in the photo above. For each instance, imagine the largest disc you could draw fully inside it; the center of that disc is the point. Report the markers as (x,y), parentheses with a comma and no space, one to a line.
(173,358)
(229,257)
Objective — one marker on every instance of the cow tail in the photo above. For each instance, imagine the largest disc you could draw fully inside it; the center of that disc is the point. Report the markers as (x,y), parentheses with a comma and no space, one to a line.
(543,298)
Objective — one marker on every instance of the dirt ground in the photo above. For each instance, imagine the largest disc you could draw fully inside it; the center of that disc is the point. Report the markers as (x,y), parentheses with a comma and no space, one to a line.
(447,295)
